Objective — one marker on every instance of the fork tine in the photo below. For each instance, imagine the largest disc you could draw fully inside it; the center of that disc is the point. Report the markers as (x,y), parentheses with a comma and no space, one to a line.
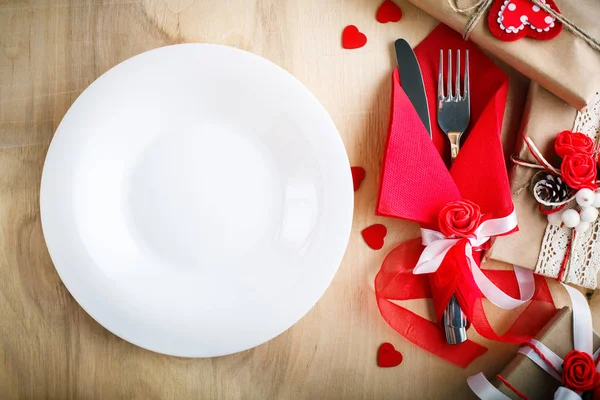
(466,89)
(441,75)
(449,77)
(457,88)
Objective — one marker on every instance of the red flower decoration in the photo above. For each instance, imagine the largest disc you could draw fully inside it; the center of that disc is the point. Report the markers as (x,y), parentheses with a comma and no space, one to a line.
(579,171)
(568,142)
(579,372)
(459,218)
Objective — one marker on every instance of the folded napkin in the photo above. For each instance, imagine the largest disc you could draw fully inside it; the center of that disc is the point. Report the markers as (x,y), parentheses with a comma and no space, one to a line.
(417,186)
(565,65)
(415,182)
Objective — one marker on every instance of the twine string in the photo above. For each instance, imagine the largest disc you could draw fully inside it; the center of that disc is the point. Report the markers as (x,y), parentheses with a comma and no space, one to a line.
(477,10)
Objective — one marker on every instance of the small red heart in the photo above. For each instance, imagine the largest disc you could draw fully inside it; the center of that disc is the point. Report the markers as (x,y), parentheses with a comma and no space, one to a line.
(388,356)
(352,38)
(358,174)
(389,12)
(374,236)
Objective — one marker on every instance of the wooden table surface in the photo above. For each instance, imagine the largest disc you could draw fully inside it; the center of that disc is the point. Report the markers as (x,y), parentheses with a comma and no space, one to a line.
(51,50)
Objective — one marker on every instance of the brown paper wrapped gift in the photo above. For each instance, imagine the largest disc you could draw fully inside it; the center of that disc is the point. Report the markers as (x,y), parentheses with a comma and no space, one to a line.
(537,246)
(530,379)
(566,65)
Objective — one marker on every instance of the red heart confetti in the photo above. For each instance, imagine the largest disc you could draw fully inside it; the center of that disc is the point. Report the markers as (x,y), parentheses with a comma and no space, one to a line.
(374,236)
(358,175)
(389,12)
(352,38)
(511,20)
(388,356)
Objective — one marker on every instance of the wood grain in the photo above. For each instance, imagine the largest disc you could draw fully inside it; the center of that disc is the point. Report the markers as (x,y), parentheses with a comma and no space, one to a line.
(50,51)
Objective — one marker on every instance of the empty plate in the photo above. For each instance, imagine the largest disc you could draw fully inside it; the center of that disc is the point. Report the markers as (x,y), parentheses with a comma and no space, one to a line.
(196,200)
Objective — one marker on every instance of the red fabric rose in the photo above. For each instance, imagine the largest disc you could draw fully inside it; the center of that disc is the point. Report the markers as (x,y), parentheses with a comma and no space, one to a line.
(579,171)
(459,218)
(568,142)
(579,372)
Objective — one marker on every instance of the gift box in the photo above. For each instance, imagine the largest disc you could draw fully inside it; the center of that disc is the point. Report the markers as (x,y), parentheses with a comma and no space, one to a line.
(538,245)
(565,65)
(528,378)
(525,375)
(559,363)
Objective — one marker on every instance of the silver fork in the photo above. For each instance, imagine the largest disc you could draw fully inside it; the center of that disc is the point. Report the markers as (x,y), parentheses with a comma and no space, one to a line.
(453,118)
(453,108)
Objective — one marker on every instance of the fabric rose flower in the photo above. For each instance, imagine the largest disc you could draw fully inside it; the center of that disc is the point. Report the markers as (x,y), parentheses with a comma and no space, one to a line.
(568,142)
(459,218)
(579,372)
(579,171)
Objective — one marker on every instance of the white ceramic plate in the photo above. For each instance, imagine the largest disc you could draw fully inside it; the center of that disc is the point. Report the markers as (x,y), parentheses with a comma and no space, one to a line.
(196,200)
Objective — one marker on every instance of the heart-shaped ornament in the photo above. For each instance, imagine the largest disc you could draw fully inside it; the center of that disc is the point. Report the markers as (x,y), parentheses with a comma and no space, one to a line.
(352,38)
(374,236)
(358,174)
(388,11)
(388,356)
(510,20)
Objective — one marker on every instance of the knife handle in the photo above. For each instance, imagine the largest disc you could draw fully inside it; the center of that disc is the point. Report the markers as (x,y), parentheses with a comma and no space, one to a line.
(455,322)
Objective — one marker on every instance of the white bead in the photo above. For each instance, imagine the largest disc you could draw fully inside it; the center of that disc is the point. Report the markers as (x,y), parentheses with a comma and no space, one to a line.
(589,214)
(597,200)
(582,227)
(585,197)
(555,218)
(571,218)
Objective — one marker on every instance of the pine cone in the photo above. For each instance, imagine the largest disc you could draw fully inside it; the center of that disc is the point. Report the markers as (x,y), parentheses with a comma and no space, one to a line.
(551,189)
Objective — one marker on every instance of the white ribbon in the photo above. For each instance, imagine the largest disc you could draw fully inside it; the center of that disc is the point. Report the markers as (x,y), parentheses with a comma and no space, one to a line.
(583,335)
(562,393)
(551,356)
(437,246)
(583,330)
(484,389)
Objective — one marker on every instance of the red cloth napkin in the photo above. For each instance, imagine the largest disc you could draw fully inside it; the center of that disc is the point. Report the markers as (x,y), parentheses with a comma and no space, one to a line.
(416,184)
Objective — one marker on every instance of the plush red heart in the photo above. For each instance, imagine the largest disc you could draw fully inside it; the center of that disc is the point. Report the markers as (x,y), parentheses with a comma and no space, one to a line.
(388,356)
(352,38)
(511,20)
(374,236)
(358,174)
(388,12)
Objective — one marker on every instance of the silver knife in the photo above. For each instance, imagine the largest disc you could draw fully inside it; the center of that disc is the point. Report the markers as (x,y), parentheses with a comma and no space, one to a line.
(411,80)
(454,320)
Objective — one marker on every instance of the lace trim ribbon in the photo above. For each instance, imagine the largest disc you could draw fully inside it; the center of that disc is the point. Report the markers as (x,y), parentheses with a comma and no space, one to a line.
(584,261)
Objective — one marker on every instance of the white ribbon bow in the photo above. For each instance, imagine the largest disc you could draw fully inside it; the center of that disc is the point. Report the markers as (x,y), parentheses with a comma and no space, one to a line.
(437,245)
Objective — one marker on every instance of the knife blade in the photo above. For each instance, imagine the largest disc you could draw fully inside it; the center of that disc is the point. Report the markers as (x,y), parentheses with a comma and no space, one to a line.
(411,80)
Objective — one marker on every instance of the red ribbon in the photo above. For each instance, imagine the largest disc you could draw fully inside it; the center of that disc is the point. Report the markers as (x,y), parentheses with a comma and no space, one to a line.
(396,282)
